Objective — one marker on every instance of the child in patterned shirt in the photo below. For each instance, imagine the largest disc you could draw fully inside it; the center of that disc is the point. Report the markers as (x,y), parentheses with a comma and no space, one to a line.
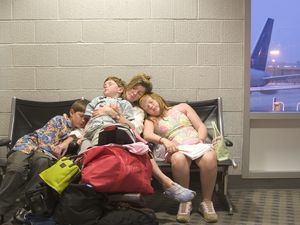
(32,153)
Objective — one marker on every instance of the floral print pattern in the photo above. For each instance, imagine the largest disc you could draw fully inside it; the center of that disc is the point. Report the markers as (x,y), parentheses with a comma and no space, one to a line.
(55,131)
(177,127)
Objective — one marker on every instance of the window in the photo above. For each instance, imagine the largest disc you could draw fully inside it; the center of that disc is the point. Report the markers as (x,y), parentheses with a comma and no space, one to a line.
(275,56)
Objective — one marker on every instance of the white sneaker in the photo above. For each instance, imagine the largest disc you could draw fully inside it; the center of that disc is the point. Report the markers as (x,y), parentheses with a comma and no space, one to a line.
(208,212)
(184,212)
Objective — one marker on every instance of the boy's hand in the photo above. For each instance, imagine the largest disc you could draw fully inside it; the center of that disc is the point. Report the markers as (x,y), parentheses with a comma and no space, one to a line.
(116,108)
(79,141)
(104,111)
(60,150)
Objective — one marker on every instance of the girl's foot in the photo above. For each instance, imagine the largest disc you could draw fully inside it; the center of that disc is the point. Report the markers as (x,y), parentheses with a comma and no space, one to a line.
(206,208)
(184,212)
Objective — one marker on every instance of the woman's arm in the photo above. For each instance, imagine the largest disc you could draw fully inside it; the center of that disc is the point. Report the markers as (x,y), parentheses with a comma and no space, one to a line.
(195,120)
(139,117)
(122,119)
(124,114)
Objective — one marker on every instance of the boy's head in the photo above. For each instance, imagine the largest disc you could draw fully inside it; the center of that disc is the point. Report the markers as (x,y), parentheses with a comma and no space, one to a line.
(77,113)
(113,87)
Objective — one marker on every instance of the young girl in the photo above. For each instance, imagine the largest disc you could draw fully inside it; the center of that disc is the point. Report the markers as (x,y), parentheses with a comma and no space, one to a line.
(180,125)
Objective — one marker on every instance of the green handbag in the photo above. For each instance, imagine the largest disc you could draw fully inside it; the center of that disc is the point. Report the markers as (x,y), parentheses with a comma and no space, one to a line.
(60,175)
(219,143)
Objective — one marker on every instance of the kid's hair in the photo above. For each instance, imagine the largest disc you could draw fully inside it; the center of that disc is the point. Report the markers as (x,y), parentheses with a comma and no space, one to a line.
(80,105)
(163,105)
(118,81)
(141,79)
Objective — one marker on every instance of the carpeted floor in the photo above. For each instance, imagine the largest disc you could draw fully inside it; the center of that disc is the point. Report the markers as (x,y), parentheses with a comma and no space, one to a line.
(251,207)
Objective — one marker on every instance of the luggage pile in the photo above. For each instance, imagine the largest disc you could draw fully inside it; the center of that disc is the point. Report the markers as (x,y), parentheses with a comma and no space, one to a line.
(104,186)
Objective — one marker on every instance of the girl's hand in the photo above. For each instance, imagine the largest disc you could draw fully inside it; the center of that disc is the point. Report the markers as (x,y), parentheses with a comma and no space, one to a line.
(170,146)
(216,140)
(201,141)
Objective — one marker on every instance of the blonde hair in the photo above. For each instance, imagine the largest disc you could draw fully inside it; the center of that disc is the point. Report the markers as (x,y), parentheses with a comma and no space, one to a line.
(141,79)
(118,81)
(163,105)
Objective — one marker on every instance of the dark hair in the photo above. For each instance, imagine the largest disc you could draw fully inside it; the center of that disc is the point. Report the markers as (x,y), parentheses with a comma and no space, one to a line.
(141,79)
(80,105)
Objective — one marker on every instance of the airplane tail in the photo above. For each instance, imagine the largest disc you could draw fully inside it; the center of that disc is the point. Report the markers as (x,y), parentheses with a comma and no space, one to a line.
(260,53)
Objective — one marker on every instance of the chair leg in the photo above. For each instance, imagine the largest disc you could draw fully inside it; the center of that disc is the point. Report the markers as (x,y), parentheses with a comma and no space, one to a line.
(222,190)
(229,205)
(1,174)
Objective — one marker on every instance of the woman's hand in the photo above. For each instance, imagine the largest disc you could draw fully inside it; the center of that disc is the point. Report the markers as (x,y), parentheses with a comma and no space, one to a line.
(170,146)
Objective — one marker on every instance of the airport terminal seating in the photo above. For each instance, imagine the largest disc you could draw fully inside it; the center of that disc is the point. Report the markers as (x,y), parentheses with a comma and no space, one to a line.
(211,110)
(27,116)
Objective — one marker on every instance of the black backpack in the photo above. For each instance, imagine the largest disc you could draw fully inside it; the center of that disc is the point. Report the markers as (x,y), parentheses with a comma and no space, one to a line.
(124,214)
(80,204)
(41,200)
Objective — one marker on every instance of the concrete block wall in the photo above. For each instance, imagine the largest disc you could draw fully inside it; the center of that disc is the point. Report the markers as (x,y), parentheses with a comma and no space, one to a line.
(63,49)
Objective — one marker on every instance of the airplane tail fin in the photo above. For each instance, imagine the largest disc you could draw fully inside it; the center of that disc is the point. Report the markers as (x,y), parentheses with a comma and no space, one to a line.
(260,53)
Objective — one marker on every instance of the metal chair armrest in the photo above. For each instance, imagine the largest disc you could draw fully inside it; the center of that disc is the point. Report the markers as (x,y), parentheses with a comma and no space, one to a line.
(228,142)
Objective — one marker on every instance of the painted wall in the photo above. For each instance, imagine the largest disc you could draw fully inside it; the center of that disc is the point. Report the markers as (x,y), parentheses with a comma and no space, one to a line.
(63,49)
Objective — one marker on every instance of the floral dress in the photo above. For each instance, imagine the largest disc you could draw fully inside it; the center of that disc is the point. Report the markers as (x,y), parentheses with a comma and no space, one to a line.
(55,131)
(177,127)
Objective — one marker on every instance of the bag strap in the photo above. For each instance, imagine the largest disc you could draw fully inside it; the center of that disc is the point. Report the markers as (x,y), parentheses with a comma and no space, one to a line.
(215,128)
(76,159)
(138,137)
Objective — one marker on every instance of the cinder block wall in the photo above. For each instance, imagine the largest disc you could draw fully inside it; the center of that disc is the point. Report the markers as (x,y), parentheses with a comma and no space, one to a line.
(63,49)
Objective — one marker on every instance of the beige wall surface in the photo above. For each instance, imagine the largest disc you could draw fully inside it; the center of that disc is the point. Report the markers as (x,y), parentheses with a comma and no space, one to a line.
(63,49)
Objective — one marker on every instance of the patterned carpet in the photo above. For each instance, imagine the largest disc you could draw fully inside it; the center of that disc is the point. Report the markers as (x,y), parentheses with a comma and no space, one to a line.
(251,207)
(254,205)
